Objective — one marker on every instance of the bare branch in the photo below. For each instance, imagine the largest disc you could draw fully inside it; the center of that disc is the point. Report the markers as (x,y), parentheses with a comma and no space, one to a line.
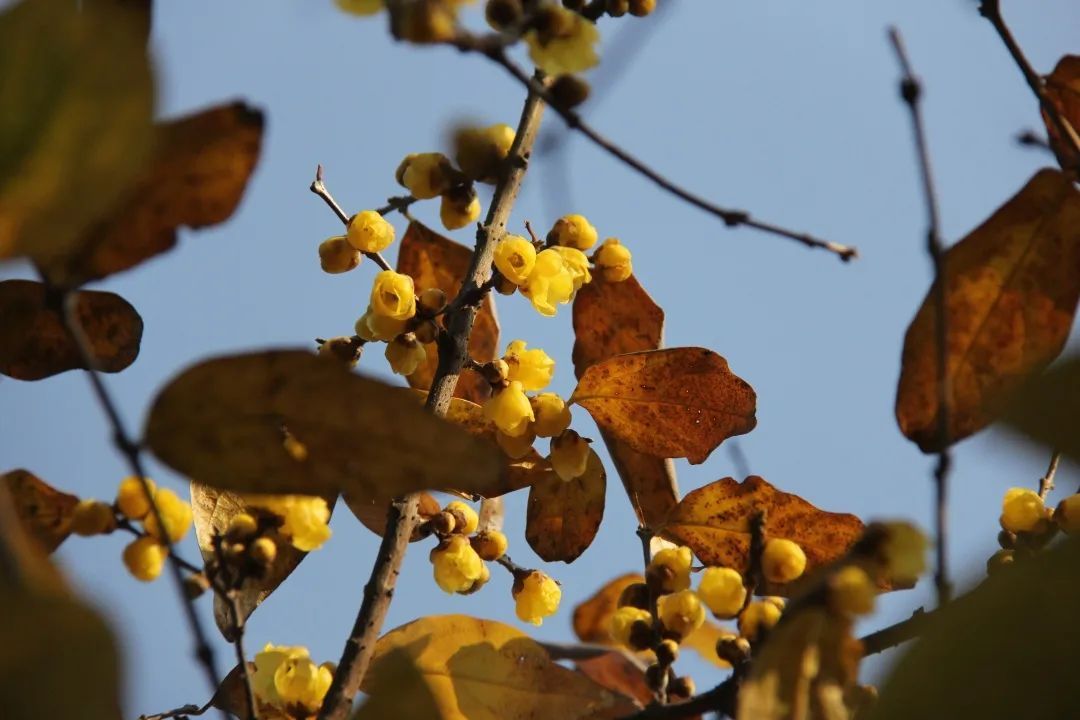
(901,632)
(911,92)
(1046,482)
(721,699)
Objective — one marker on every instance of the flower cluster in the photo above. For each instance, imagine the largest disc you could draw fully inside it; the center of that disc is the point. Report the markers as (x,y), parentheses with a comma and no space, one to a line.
(287,682)
(301,519)
(551,273)
(1028,525)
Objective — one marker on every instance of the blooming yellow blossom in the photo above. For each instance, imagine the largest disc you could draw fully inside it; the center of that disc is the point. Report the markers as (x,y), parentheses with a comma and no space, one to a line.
(405,354)
(550,283)
(337,256)
(287,679)
(722,590)
(681,613)
(566,45)
(304,517)
(533,368)
(515,258)
(613,261)
(669,569)
(573,231)
(371,327)
(552,415)
(510,410)
(575,261)
(175,514)
(456,565)
(537,597)
(370,232)
(569,455)
(131,499)
(393,295)
(144,558)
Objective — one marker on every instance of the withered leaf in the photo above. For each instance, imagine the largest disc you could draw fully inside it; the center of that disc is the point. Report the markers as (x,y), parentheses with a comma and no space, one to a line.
(563,516)
(81,82)
(1047,409)
(223,421)
(715,520)
(435,261)
(1012,287)
(613,318)
(43,511)
(987,655)
(1063,88)
(620,672)
(213,510)
(680,402)
(197,178)
(34,344)
(484,670)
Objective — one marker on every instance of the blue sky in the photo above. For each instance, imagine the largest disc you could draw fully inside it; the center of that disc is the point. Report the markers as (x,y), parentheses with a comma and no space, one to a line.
(787,109)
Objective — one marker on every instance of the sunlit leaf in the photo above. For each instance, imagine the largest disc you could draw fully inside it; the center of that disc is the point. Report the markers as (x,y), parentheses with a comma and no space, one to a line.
(1048,408)
(613,318)
(435,261)
(399,690)
(1008,649)
(680,402)
(563,516)
(484,670)
(196,178)
(81,82)
(34,344)
(213,510)
(715,522)
(223,421)
(1012,287)
(1063,88)
(44,512)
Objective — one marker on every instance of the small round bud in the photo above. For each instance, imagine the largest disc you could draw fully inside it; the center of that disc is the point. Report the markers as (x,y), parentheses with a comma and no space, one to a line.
(999,561)
(426,332)
(569,455)
(263,551)
(635,596)
(722,590)
(641,8)
(622,621)
(175,513)
(1022,510)
(782,561)
(427,175)
(345,349)
(569,91)
(443,523)
(466,519)
(369,232)
(496,372)
(144,558)
(431,301)
(756,619)
(667,652)
(242,528)
(613,261)
(681,688)
(490,545)
(459,207)
(776,601)
(656,676)
(336,255)
(617,8)
(456,565)
(131,499)
(1006,540)
(681,613)
(573,231)
(501,14)
(733,649)
(92,517)
(234,552)
(669,570)
(851,591)
(195,585)
(1067,515)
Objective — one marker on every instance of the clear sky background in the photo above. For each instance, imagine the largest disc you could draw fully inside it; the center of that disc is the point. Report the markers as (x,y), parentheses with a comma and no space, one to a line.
(787,109)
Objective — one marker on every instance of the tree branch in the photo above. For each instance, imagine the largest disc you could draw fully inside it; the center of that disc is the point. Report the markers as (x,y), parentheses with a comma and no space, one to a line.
(453,353)
(911,92)
(1046,482)
(720,699)
(901,632)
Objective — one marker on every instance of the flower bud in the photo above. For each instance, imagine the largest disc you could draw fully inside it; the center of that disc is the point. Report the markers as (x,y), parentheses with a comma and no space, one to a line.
(537,597)
(782,561)
(515,258)
(613,261)
(569,455)
(431,301)
(92,517)
(722,590)
(336,255)
(681,613)
(131,498)
(466,519)
(490,545)
(459,207)
(573,231)
(144,558)
(405,354)
(552,415)
(369,232)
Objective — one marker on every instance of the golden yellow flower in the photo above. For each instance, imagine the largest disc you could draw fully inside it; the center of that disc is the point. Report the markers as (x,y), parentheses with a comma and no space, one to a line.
(393,295)
(537,597)
(515,258)
(510,410)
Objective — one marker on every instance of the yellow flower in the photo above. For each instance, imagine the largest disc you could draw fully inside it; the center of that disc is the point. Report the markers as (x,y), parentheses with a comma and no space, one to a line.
(756,618)
(360,7)
(370,232)
(569,455)
(175,514)
(537,597)
(722,590)
(852,592)
(371,326)
(405,354)
(552,415)
(566,45)
(1067,515)
(336,255)
(490,545)
(131,499)
(782,560)
(393,295)
(904,552)
(480,152)
(533,368)
(459,209)
(623,620)
(287,679)
(516,447)
(550,283)
(466,519)
(681,613)
(510,410)
(456,565)
(304,517)
(669,569)
(613,261)
(426,175)
(578,265)
(515,258)
(145,557)
(1022,510)
(92,517)
(573,231)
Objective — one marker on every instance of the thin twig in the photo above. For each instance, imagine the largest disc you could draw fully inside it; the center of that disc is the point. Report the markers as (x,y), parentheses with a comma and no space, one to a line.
(180,712)
(911,92)
(731,218)
(227,590)
(991,10)
(319,188)
(453,352)
(1046,482)
(720,699)
(1029,138)
(894,635)
(512,567)
(131,452)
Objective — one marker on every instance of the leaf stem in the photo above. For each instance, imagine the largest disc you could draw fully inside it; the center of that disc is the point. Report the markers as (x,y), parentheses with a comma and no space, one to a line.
(911,92)
(453,353)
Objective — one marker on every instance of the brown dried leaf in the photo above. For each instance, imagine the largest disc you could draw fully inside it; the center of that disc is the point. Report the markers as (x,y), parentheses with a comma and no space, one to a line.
(484,670)
(1047,410)
(562,517)
(433,260)
(44,512)
(196,179)
(1063,88)
(620,672)
(613,318)
(222,421)
(34,344)
(714,521)
(680,402)
(1013,285)
(371,511)
(213,510)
